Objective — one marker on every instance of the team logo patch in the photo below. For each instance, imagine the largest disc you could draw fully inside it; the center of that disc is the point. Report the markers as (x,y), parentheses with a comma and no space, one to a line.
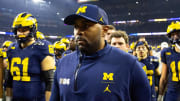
(107,89)
(101,19)
(154,60)
(107,80)
(81,10)
(107,76)
(64,81)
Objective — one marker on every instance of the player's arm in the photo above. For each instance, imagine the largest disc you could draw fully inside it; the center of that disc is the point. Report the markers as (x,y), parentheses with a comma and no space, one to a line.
(157,78)
(156,63)
(8,77)
(47,66)
(5,63)
(163,80)
(8,81)
(1,78)
(8,94)
(140,87)
(157,71)
(5,59)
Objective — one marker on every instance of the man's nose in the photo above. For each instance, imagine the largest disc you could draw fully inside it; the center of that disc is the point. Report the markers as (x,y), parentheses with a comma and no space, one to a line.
(79,31)
(116,45)
(141,49)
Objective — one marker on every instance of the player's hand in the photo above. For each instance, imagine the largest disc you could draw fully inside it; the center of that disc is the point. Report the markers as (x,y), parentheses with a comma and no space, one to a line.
(160,98)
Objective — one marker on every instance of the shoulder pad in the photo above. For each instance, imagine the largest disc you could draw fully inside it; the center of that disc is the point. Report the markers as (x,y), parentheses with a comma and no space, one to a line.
(167,51)
(12,46)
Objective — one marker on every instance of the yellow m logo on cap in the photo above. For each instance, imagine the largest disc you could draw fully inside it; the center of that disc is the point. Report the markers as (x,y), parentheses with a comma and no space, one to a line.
(101,19)
(108,76)
(81,10)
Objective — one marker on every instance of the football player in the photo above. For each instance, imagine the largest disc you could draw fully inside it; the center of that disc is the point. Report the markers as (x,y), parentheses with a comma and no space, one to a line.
(70,45)
(1,74)
(59,49)
(5,47)
(31,62)
(151,62)
(65,41)
(170,58)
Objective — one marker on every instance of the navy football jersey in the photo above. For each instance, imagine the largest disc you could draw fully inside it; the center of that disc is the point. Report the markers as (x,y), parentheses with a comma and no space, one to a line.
(172,59)
(25,68)
(152,64)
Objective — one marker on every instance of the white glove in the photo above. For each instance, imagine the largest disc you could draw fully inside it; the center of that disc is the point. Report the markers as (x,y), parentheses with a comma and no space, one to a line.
(160,98)
(0,99)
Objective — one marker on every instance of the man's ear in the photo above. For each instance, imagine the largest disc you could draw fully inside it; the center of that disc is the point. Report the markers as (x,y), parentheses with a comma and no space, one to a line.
(105,29)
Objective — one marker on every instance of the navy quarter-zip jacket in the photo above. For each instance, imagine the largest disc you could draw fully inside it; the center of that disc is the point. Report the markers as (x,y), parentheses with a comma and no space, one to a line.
(108,75)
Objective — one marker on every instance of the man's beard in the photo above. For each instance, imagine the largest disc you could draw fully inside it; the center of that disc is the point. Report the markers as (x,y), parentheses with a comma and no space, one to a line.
(87,48)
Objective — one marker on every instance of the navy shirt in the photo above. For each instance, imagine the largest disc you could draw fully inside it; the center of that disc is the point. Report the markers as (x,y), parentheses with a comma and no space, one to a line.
(25,68)
(67,52)
(108,75)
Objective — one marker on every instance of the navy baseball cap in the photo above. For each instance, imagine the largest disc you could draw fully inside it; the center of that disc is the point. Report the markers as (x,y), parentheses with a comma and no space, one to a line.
(89,12)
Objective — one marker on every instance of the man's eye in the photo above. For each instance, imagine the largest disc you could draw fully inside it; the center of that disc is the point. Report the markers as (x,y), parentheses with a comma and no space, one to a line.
(86,26)
(108,33)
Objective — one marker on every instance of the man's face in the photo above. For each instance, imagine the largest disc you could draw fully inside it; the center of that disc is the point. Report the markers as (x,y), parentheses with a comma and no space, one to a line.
(23,32)
(108,35)
(5,48)
(87,35)
(119,43)
(58,51)
(72,44)
(142,51)
(175,35)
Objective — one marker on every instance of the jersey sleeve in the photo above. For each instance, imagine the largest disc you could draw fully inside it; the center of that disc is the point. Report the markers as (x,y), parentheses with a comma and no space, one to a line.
(45,48)
(140,90)
(163,56)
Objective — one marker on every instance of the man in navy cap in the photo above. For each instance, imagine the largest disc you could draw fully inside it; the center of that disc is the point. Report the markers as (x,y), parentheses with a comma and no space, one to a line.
(96,71)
